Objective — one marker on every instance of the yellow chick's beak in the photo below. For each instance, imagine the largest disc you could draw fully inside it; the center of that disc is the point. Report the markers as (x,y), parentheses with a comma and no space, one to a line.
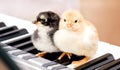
(69,25)
(37,23)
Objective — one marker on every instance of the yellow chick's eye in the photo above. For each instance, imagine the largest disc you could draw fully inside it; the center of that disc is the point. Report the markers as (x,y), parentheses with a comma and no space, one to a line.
(75,21)
(64,20)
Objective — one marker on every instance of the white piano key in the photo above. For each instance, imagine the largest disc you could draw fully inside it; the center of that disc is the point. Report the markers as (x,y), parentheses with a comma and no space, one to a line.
(17,50)
(5,46)
(39,61)
(104,48)
(9,48)
(52,66)
(25,65)
(61,67)
(70,66)
(58,67)
(29,57)
(21,56)
(20,23)
(49,64)
(19,53)
(67,69)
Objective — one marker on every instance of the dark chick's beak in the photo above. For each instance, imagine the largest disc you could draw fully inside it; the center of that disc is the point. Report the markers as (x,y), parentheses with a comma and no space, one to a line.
(38,23)
(34,22)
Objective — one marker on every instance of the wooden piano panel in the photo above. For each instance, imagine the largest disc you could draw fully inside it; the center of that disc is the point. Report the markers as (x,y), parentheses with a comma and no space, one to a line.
(105,14)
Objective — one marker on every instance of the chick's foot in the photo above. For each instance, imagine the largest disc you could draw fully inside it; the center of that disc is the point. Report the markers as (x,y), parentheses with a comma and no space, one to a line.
(63,54)
(80,62)
(41,54)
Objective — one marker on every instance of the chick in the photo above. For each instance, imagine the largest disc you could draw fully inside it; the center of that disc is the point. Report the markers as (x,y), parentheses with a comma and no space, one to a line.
(76,36)
(47,23)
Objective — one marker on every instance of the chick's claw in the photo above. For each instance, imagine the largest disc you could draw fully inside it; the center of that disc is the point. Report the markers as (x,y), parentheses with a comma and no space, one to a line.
(41,54)
(69,55)
(63,54)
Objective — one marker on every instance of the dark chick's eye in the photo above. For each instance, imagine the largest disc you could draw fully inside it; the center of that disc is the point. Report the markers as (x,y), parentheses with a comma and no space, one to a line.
(43,20)
(64,20)
(75,21)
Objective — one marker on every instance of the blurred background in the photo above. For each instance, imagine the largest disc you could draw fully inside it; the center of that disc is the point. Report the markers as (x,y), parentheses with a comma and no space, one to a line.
(104,14)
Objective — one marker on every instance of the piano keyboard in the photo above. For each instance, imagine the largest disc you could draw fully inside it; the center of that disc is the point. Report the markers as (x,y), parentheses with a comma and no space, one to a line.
(15,37)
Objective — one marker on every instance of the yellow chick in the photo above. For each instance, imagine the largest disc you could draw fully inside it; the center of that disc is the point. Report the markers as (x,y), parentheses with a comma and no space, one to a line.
(76,36)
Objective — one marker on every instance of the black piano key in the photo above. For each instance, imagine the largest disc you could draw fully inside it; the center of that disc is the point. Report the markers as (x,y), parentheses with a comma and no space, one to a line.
(27,46)
(23,45)
(114,65)
(96,63)
(54,54)
(58,67)
(63,61)
(2,24)
(19,41)
(8,33)
(66,61)
(14,34)
(117,67)
(29,49)
(7,29)
(33,51)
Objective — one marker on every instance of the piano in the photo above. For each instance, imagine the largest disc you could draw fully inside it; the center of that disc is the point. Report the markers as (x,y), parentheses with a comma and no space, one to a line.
(15,39)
